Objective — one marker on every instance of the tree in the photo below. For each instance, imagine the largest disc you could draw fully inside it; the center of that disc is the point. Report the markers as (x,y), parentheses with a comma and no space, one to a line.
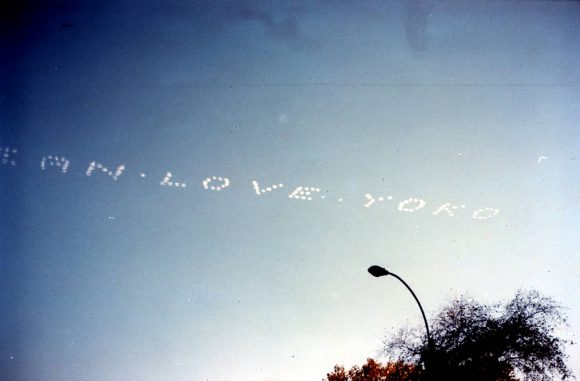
(375,371)
(338,374)
(474,341)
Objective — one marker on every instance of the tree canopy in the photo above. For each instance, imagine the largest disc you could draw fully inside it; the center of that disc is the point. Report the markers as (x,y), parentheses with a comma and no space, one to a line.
(476,342)
(373,370)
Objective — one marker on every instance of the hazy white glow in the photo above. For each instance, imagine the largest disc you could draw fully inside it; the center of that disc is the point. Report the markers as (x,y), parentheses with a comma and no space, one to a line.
(167,182)
(6,153)
(303,193)
(225,182)
(485,213)
(115,175)
(260,191)
(55,161)
(448,209)
(371,200)
(418,204)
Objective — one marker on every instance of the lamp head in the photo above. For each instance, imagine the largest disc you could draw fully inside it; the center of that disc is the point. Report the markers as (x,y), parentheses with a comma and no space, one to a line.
(378,271)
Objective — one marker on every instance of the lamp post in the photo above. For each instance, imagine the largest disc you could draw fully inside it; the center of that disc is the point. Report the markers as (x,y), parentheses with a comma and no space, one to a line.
(378,271)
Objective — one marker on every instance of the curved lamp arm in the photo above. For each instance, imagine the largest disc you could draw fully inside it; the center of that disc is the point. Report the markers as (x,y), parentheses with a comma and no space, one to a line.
(378,271)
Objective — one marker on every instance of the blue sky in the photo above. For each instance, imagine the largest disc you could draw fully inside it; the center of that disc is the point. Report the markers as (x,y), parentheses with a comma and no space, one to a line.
(470,104)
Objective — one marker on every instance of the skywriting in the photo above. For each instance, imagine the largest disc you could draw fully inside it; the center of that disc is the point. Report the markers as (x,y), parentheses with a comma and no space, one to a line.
(219,183)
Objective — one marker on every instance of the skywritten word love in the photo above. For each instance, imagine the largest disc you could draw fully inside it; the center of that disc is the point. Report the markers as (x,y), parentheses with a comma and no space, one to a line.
(8,157)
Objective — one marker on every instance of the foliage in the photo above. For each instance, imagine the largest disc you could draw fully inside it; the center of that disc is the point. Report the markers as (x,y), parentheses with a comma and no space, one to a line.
(375,371)
(473,341)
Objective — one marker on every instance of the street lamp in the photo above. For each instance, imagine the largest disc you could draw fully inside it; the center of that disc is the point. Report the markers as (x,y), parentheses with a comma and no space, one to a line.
(378,271)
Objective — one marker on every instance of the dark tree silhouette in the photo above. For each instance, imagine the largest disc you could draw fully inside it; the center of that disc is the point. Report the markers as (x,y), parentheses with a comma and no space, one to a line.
(474,341)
